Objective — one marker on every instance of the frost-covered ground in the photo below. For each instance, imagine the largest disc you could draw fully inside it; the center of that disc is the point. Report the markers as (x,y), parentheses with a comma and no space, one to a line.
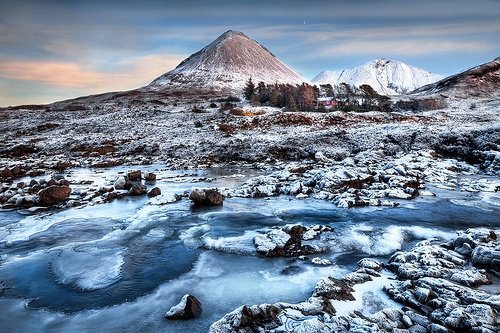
(120,265)
(128,131)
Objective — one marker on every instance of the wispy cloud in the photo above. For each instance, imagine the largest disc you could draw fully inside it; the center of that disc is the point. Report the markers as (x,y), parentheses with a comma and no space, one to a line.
(402,47)
(82,47)
(131,74)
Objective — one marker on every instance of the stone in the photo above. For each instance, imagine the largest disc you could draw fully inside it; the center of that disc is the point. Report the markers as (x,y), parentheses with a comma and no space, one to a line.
(188,308)
(398,194)
(6,173)
(137,189)
(471,278)
(63,182)
(206,197)
(248,319)
(37,209)
(333,288)
(321,262)
(164,199)
(134,175)
(149,177)
(122,183)
(273,243)
(155,191)
(435,328)
(371,264)
(319,156)
(62,165)
(483,256)
(53,194)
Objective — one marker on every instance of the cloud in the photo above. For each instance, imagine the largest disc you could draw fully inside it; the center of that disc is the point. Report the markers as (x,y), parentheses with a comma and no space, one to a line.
(403,47)
(130,73)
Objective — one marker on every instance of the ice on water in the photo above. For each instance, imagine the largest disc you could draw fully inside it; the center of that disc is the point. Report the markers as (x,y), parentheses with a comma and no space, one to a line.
(88,268)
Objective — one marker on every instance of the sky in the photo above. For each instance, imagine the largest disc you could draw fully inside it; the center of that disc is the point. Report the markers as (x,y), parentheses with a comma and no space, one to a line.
(58,49)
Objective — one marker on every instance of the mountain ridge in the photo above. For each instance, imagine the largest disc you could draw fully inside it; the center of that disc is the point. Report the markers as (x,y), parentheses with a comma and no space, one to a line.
(478,81)
(388,77)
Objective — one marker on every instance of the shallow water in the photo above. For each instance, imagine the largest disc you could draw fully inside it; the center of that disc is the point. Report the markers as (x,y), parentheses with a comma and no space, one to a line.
(119,267)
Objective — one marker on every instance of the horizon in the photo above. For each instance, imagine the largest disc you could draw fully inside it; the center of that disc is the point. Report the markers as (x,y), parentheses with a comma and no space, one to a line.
(54,50)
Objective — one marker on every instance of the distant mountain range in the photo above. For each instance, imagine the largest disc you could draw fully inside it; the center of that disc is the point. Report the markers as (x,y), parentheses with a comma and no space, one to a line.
(387,77)
(224,66)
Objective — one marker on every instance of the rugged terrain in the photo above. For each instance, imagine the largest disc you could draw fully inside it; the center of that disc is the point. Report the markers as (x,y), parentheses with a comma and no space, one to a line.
(347,159)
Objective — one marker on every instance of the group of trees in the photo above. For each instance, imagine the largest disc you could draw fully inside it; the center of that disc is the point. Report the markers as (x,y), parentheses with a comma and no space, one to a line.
(303,97)
(293,98)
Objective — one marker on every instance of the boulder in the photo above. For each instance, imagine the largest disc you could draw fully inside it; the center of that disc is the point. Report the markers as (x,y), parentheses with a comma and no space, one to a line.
(137,189)
(149,177)
(273,243)
(321,262)
(122,183)
(189,307)
(293,240)
(371,264)
(53,194)
(333,288)
(483,256)
(206,197)
(134,175)
(6,173)
(155,191)
(248,319)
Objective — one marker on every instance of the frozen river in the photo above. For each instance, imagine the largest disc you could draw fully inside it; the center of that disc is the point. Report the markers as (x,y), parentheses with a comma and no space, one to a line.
(118,267)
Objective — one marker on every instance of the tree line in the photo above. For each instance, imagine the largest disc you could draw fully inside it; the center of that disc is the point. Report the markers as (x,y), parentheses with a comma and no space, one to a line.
(303,97)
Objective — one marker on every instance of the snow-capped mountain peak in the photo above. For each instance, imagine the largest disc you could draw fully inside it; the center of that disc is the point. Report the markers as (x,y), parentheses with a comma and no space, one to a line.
(228,62)
(388,77)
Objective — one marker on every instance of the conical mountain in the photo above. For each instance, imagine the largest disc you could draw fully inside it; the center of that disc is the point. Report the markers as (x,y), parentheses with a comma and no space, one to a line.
(228,62)
(388,77)
(479,81)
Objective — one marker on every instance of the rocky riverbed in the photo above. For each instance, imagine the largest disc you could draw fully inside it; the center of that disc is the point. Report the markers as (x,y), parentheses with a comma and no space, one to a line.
(285,222)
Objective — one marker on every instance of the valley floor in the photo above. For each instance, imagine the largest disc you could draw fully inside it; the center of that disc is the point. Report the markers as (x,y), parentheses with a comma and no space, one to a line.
(422,254)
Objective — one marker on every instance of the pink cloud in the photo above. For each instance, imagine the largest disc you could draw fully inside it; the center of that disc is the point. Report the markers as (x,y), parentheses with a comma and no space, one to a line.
(130,74)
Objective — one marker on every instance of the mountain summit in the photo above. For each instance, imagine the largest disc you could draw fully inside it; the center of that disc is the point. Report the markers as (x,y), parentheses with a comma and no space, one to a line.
(388,77)
(228,62)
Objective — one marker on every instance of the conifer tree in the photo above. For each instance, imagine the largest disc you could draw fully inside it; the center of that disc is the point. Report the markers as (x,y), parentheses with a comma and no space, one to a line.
(249,89)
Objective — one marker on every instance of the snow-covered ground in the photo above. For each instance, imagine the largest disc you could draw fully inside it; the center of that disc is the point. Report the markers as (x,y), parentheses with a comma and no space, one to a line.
(120,265)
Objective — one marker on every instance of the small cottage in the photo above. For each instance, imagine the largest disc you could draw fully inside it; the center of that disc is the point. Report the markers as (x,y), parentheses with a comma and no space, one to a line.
(327,102)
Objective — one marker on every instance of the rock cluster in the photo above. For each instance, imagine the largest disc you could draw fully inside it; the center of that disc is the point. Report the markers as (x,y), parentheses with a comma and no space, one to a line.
(206,197)
(316,314)
(39,195)
(293,240)
(436,281)
(367,179)
(40,192)
(434,286)
(130,184)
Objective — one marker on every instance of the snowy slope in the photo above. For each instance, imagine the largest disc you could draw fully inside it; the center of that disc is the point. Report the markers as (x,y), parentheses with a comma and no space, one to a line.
(228,62)
(387,77)
(479,81)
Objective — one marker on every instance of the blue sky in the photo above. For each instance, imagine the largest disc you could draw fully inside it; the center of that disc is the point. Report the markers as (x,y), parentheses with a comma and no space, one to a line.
(53,50)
